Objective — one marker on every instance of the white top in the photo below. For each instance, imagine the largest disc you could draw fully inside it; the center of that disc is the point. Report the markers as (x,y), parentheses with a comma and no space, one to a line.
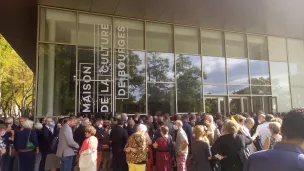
(263,131)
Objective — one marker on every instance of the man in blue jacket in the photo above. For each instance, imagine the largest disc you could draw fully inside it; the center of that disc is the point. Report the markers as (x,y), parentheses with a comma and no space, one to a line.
(188,129)
(287,155)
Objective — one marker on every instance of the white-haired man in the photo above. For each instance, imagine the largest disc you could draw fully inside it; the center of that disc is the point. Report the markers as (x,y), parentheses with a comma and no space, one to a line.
(181,147)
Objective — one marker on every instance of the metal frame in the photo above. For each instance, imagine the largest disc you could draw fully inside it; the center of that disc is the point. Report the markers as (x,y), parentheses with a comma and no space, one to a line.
(145,49)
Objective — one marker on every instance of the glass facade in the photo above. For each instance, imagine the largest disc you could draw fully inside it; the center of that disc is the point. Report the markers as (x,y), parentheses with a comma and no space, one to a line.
(105,64)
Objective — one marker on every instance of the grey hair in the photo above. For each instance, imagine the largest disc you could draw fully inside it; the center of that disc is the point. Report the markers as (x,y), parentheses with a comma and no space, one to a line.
(85,121)
(179,122)
(142,128)
(28,124)
(275,127)
(9,120)
(38,126)
(249,120)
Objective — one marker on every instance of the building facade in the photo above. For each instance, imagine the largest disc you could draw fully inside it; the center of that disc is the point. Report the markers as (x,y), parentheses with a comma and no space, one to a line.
(94,63)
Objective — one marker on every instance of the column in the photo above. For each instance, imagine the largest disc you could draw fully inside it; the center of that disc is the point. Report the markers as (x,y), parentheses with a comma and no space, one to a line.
(242,104)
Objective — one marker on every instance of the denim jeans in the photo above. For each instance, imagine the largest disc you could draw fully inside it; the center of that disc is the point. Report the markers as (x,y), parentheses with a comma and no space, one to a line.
(66,163)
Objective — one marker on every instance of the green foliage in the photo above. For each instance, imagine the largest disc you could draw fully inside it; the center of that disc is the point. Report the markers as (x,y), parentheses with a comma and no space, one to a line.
(16,80)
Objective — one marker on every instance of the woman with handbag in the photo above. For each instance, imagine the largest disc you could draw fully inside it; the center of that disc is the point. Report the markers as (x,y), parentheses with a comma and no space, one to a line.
(229,147)
(26,144)
(88,151)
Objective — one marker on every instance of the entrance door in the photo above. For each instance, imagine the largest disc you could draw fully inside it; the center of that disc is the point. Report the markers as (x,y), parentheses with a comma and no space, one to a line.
(239,104)
(215,105)
(264,103)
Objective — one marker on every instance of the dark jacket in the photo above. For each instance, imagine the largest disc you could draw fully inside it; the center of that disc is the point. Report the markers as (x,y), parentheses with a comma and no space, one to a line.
(79,135)
(229,145)
(45,140)
(21,138)
(188,129)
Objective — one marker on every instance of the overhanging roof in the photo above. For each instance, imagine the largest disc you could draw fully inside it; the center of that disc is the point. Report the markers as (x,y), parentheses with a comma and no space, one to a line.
(285,18)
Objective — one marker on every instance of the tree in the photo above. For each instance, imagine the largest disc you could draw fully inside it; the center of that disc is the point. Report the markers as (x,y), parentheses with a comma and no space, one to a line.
(16,80)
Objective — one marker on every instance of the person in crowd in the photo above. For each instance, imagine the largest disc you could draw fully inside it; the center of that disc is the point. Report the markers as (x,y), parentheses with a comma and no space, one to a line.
(192,120)
(125,118)
(67,146)
(181,147)
(26,144)
(11,122)
(38,129)
(119,137)
(287,155)
(136,149)
(212,132)
(79,134)
(2,144)
(90,142)
(168,123)
(137,118)
(249,123)
(227,147)
(263,129)
(52,161)
(46,140)
(275,137)
(188,129)
(99,130)
(105,147)
(201,153)
(198,119)
(165,151)
(130,127)
(150,126)
(8,139)
(276,119)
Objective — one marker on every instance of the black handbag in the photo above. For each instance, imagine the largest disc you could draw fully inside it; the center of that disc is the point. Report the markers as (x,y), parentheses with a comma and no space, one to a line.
(244,153)
(258,144)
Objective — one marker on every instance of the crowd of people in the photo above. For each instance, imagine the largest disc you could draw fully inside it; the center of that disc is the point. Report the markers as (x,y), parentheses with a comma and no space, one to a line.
(189,142)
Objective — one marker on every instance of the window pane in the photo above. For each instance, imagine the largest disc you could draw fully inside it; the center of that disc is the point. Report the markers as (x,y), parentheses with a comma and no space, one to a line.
(161,97)
(103,31)
(136,93)
(237,71)
(235,45)
(259,72)
(277,49)
(56,87)
(239,89)
(186,40)
(160,67)
(261,90)
(57,26)
(214,69)
(215,89)
(280,85)
(257,48)
(257,104)
(159,37)
(134,32)
(297,96)
(189,83)
(212,43)
(296,61)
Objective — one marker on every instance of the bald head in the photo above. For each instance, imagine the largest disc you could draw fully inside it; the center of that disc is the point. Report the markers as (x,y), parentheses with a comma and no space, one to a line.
(179,123)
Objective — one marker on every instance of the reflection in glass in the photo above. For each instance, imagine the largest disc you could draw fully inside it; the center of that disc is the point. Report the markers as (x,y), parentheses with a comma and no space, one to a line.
(259,72)
(161,97)
(186,40)
(212,43)
(296,61)
(86,23)
(159,37)
(56,87)
(237,71)
(297,96)
(277,49)
(214,69)
(235,45)
(189,83)
(261,90)
(136,101)
(134,32)
(215,89)
(235,105)
(160,67)
(57,26)
(280,85)
(257,47)
(239,89)
(215,105)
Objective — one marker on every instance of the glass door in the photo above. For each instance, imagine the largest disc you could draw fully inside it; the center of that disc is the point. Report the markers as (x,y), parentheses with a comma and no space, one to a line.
(239,104)
(214,105)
